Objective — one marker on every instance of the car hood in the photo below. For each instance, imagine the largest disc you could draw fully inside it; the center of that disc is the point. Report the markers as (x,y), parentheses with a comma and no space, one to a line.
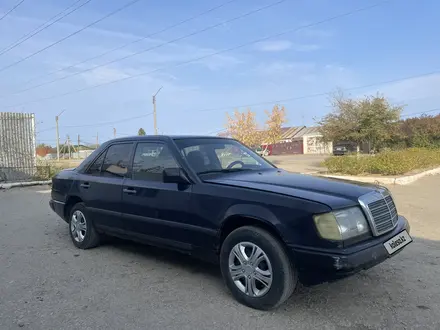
(335,193)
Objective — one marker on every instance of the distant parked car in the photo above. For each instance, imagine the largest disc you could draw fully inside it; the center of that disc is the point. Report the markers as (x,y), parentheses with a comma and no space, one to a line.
(268,228)
(341,149)
(262,152)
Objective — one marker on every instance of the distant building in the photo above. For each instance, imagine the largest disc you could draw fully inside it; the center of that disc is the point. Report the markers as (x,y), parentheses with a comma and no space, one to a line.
(296,140)
(300,140)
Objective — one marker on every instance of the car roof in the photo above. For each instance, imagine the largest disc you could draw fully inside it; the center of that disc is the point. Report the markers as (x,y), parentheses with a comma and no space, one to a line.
(167,137)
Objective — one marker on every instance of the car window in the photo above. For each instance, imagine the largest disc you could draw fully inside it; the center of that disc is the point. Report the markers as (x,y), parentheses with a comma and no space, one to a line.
(150,159)
(212,155)
(231,154)
(95,168)
(203,152)
(116,160)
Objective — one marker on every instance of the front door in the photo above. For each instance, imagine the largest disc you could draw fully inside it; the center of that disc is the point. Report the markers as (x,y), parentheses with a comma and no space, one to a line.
(153,210)
(101,186)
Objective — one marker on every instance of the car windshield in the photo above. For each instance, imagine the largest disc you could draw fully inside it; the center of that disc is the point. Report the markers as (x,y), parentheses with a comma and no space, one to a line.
(214,155)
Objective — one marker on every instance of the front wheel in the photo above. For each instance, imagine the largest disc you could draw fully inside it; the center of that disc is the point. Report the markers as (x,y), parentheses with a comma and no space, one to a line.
(256,268)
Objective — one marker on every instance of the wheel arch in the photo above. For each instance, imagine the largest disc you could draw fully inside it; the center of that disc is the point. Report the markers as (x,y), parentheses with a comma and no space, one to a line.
(249,215)
(70,202)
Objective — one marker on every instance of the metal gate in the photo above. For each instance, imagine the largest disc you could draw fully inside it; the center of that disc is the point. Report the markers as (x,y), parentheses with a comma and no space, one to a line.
(17,147)
(286,148)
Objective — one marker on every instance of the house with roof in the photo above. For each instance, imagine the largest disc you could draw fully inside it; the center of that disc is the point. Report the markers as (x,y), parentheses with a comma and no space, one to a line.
(297,140)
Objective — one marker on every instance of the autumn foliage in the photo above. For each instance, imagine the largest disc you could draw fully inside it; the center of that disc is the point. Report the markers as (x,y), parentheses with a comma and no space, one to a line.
(243,126)
(275,121)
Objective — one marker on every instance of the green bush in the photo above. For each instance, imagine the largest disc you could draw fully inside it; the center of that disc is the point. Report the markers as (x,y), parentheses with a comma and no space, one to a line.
(46,172)
(385,163)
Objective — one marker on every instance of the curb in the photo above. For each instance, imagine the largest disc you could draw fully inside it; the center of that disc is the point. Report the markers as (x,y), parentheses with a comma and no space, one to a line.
(24,184)
(400,180)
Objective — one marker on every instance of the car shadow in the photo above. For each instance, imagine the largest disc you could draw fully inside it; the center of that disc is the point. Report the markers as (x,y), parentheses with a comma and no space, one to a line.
(378,288)
(172,258)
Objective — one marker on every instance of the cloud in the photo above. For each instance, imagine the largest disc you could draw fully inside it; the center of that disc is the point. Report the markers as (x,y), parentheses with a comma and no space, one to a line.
(411,89)
(306,48)
(284,68)
(103,75)
(77,49)
(273,46)
(282,45)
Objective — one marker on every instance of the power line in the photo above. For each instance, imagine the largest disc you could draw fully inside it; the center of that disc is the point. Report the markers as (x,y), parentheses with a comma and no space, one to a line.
(323,93)
(11,10)
(97,124)
(70,35)
(216,131)
(43,26)
(109,122)
(46,129)
(128,43)
(419,113)
(202,57)
(154,47)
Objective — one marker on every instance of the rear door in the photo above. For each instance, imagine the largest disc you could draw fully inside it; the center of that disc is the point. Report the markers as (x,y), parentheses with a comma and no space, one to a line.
(155,210)
(101,185)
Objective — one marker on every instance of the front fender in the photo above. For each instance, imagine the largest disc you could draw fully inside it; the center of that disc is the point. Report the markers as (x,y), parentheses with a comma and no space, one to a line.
(257,212)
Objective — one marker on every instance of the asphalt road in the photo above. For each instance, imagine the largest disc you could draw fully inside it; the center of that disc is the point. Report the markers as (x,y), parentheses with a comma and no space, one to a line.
(299,163)
(46,283)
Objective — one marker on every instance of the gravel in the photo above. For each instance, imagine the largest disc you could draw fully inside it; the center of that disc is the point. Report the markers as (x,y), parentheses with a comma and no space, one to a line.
(46,283)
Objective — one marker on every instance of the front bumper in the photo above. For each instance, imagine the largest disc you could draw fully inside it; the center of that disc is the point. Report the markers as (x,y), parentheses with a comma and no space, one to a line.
(58,208)
(324,266)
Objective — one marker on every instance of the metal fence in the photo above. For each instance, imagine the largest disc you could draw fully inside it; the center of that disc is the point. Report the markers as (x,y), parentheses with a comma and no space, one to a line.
(17,147)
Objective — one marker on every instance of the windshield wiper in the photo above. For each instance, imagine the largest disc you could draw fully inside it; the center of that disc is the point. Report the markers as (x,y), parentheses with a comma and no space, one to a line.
(226,170)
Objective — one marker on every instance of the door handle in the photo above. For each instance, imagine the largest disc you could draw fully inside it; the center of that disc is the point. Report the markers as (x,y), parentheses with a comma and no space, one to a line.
(129,191)
(85,185)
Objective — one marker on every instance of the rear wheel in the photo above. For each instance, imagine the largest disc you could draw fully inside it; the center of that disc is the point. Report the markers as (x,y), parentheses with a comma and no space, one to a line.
(81,229)
(256,268)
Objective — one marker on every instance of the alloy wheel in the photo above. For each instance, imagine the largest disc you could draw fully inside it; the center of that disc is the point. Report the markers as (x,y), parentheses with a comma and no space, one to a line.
(250,269)
(78,226)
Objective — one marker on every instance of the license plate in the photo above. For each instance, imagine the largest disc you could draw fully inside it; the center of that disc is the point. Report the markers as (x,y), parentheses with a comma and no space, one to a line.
(397,242)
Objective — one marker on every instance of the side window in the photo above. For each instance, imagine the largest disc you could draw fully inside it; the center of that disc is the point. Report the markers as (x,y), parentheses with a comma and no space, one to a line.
(95,168)
(150,159)
(116,160)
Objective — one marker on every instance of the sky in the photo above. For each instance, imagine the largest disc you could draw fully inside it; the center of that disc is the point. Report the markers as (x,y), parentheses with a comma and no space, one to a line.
(228,54)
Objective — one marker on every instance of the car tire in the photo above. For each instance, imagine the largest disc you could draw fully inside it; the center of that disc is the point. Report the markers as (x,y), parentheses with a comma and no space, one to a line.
(81,229)
(257,294)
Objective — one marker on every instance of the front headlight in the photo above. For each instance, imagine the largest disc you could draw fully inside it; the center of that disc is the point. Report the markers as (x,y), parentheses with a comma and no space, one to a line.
(342,225)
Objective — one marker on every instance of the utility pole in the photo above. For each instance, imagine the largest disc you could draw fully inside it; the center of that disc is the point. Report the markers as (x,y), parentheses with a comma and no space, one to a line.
(78,146)
(154,110)
(97,140)
(58,134)
(68,146)
(114,132)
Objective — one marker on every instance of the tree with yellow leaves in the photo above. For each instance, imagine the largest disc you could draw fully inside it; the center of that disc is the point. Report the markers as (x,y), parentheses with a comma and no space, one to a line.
(243,127)
(274,123)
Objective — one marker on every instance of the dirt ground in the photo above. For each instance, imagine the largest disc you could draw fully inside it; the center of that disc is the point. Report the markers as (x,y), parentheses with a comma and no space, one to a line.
(46,283)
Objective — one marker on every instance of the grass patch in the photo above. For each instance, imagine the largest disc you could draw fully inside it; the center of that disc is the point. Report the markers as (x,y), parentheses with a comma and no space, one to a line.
(46,170)
(44,173)
(385,163)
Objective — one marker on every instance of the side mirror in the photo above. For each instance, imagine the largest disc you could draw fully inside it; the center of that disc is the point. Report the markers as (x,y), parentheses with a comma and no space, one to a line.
(174,175)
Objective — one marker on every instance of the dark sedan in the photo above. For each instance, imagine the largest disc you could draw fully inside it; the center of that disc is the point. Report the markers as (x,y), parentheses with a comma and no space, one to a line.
(218,200)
